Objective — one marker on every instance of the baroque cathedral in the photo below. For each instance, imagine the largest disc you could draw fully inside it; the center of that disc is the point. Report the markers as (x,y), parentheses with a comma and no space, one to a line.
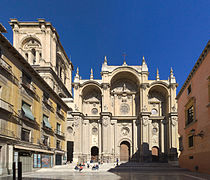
(123,115)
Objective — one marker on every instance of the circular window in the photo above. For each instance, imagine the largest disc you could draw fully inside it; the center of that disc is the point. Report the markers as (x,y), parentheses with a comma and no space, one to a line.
(124,108)
(154,111)
(70,129)
(154,130)
(94,111)
(94,130)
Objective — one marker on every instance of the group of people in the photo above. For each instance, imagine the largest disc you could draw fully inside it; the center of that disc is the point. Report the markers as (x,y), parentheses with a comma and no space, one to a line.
(80,166)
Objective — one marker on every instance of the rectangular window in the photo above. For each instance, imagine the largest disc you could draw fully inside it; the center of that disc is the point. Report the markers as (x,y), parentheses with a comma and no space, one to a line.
(46,122)
(190,114)
(26,111)
(58,128)
(45,97)
(46,140)
(25,135)
(190,141)
(58,108)
(189,89)
(58,144)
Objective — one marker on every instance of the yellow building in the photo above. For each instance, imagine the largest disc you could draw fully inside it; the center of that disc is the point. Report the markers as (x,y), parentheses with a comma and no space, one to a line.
(32,115)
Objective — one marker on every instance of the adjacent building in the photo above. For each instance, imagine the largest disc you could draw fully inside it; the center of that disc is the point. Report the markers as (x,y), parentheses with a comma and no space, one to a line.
(194,116)
(124,115)
(32,114)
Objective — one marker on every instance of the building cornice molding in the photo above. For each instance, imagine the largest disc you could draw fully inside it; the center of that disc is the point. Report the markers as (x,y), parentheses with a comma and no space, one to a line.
(196,66)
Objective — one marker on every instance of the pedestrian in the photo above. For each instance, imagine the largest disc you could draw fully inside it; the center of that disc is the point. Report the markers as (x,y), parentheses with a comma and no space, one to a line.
(117,161)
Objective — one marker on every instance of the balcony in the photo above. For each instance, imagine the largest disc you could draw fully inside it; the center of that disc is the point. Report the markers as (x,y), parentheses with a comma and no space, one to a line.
(28,85)
(5,66)
(7,133)
(59,133)
(6,106)
(48,104)
(60,113)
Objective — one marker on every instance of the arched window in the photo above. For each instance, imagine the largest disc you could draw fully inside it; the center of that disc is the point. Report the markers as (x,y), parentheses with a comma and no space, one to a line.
(33,51)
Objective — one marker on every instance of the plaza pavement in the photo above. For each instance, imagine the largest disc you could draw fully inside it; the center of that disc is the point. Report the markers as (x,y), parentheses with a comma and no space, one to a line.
(109,171)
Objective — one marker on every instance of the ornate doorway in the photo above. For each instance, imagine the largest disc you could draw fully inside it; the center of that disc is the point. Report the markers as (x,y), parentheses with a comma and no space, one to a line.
(155,154)
(94,154)
(125,151)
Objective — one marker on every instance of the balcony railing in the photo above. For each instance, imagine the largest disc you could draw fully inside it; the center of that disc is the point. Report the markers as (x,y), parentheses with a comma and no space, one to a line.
(48,103)
(6,106)
(58,132)
(5,65)
(6,132)
(28,85)
(60,113)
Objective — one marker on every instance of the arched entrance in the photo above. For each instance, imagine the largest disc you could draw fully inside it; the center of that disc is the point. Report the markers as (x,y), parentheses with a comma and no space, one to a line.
(94,154)
(124,151)
(155,154)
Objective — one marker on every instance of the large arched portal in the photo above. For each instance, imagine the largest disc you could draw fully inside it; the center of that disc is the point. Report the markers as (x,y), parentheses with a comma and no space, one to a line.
(124,151)
(94,154)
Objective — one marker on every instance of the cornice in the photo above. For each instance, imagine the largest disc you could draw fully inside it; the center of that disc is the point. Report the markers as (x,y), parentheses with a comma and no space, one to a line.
(196,66)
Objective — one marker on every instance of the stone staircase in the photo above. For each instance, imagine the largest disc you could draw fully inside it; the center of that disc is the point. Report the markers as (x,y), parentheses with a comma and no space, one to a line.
(154,167)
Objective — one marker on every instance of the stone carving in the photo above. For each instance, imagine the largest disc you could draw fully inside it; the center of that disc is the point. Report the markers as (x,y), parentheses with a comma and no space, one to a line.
(144,108)
(105,107)
(174,121)
(154,130)
(105,121)
(174,108)
(76,108)
(94,111)
(70,130)
(124,108)
(125,131)
(94,130)
(145,121)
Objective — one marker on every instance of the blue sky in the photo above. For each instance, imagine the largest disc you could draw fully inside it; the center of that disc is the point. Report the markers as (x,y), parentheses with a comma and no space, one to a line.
(168,33)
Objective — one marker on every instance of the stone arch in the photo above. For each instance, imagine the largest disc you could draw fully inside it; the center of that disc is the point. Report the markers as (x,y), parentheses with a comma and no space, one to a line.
(124,90)
(126,71)
(125,149)
(158,99)
(28,38)
(91,100)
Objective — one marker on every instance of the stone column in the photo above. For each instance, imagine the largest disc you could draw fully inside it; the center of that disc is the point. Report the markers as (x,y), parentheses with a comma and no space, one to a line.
(106,135)
(78,138)
(37,57)
(173,136)
(145,137)
(85,146)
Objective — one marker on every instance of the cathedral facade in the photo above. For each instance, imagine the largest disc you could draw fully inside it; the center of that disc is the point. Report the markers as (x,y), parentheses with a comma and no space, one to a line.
(124,115)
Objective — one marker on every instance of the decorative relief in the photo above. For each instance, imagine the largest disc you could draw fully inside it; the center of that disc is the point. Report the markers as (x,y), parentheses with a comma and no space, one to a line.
(154,111)
(94,111)
(124,108)
(144,108)
(174,108)
(105,107)
(76,121)
(145,121)
(105,121)
(94,130)
(70,130)
(174,121)
(125,131)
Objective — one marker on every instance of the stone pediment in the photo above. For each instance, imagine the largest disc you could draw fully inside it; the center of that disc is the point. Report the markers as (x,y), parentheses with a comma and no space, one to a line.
(154,99)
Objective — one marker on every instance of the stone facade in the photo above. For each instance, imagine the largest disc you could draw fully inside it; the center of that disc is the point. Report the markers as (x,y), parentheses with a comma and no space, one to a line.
(124,115)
